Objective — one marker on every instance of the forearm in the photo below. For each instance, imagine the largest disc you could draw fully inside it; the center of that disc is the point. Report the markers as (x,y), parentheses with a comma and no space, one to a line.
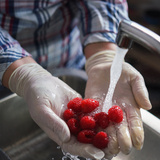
(93,48)
(13,66)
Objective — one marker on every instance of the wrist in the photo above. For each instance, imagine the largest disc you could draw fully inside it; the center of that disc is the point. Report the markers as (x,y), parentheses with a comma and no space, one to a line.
(13,67)
(93,48)
(100,58)
(26,77)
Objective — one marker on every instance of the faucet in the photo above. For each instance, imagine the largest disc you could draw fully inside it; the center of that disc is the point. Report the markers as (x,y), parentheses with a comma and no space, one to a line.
(129,32)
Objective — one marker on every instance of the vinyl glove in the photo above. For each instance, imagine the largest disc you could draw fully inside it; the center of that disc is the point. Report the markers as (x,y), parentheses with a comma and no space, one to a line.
(130,94)
(47,98)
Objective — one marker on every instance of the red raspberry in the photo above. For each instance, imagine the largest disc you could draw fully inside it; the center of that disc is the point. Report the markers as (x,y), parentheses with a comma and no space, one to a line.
(80,116)
(73,125)
(86,136)
(100,140)
(115,114)
(102,119)
(68,114)
(87,122)
(75,104)
(88,105)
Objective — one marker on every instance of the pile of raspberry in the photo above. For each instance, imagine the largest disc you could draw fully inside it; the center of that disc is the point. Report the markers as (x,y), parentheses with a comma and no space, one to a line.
(83,123)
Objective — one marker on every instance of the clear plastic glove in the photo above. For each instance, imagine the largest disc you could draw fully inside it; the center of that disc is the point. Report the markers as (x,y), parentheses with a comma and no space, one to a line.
(130,94)
(47,98)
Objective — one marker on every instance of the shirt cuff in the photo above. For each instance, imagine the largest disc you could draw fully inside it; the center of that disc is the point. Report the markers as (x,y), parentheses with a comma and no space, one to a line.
(10,55)
(99,37)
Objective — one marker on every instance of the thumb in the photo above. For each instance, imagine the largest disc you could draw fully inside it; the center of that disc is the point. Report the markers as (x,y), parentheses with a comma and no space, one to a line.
(141,93)
(60,128)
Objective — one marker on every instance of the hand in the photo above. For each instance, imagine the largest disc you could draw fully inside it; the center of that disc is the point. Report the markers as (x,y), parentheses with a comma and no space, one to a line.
(47,98)
(130,94)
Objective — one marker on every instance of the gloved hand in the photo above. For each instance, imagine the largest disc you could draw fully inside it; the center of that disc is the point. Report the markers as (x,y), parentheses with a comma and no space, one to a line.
(47,98)
(130,94)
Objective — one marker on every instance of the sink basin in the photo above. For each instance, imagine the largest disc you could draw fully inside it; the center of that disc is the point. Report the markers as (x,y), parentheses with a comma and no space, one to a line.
(22,139)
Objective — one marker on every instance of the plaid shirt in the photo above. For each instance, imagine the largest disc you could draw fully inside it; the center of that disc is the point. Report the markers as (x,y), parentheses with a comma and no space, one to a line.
(54,32)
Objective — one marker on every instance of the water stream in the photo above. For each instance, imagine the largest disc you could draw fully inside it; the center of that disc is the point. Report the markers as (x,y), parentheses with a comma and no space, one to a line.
(115,72)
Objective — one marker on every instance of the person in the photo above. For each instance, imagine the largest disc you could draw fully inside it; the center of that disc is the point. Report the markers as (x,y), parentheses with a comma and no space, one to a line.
(35,35)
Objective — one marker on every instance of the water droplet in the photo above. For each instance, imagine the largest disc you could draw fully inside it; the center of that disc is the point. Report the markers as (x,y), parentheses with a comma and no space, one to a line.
(123,104)
(115,101)
(53,95)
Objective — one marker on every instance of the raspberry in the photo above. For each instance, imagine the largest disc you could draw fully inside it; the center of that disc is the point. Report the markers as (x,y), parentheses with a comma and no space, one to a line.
(88,105)
(102,119)
(80,116)
(100,140)
(68,114)
(75,104)
(86,136)
(115,114)
(73,125)
(81,123)
(87,122)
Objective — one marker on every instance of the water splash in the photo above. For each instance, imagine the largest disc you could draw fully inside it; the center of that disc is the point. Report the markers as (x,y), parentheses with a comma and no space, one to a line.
(115,72)
(69,156)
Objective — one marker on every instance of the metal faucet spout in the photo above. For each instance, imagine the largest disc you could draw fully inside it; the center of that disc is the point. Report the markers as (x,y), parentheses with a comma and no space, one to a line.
(130,31)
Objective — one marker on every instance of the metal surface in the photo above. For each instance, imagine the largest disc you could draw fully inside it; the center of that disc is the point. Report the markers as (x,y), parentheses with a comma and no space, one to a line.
(130,31)
(3,155)
(22,139)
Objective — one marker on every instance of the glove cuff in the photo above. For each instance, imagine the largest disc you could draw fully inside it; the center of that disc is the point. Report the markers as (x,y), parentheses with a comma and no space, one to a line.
(99,58)
(23,75)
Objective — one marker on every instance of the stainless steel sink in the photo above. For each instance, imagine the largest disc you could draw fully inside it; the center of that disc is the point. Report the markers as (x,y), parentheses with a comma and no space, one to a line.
(22,139)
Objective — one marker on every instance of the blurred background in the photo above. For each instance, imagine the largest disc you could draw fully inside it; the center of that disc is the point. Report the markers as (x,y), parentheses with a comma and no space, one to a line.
(147,13)
(22,139)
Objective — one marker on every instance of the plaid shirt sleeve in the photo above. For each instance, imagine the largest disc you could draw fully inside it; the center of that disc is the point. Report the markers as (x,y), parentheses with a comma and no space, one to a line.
(52,22)
(10,50)
(100,19)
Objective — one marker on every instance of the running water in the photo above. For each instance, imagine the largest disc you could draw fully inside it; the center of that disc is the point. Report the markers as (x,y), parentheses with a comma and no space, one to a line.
(115,72)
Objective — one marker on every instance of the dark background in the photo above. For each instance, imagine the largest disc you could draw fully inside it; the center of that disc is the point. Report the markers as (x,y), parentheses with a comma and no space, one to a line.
(147,13)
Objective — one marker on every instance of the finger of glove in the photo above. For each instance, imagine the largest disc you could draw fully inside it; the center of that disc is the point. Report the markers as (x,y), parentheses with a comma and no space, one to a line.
(50,120)
(123,135)
(140,93)
(135,125)
(83,150)
(113,146)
